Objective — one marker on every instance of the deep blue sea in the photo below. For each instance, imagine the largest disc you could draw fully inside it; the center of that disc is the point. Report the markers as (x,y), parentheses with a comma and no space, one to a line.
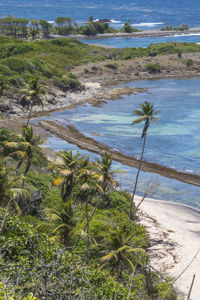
(144,14)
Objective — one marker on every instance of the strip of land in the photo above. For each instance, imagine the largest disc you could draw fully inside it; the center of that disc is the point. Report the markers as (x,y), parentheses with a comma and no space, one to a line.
(72,135)
(137,34)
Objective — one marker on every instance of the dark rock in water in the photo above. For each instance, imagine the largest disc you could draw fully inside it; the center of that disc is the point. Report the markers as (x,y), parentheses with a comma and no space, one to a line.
(104,21)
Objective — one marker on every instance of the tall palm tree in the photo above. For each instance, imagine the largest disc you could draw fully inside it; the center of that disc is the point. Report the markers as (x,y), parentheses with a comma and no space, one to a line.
(32,95)
(146,114)
(119,252)
(68,171)
(89,180)
(25,146)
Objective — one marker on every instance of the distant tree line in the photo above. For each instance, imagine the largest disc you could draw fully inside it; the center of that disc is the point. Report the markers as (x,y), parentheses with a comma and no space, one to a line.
(24,28)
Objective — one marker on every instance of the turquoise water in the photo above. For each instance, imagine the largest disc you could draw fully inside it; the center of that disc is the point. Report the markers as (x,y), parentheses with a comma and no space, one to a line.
(142,42)
(174,142)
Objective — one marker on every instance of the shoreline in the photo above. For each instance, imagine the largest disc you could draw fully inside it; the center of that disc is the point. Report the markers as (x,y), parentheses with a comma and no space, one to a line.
(174,231)
(137,34)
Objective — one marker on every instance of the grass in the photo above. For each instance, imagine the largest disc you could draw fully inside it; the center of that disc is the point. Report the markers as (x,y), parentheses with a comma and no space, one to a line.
(52,60)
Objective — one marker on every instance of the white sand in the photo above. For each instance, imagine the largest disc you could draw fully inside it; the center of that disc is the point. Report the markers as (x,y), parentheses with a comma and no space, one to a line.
(174,232)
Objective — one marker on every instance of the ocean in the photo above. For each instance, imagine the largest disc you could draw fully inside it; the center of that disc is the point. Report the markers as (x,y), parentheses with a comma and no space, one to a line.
(144,14)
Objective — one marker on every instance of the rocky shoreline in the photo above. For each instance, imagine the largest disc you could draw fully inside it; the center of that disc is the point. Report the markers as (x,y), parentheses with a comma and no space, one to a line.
(99,83)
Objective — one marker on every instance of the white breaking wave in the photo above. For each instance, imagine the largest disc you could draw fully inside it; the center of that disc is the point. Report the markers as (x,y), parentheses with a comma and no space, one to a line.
(186,34)
(148,24)
(117,22)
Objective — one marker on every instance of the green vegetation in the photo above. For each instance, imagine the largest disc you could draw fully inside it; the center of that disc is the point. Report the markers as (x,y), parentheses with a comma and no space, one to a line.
(50,61)
(183,27)
(65,231)
(189,62)
(24,28)
(152,68)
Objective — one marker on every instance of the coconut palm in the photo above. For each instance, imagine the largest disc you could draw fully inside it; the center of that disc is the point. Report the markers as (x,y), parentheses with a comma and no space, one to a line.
(104,166)
(89,181)
(120,254)
(25,146)
(9,191)
(32,95)
(146,114)
(68,171)
(62,220)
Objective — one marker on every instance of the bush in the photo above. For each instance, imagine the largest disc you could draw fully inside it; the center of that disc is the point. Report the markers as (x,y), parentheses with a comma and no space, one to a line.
(16,80)
(152,68)
(189,62)
(66,84)
(112,66)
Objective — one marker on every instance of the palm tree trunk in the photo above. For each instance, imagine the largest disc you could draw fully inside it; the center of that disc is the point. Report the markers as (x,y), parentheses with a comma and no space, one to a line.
(19,164)
(29,115)
(93,212)
(136,179)
(27,169)
(87,238)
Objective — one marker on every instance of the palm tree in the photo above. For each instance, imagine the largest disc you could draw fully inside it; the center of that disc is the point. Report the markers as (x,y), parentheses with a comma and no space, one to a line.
(3,85)
(32,95)
(104,166)
(120,254)
(62,220)
(146,114)
(9,190)
(25,147)
(89,181)
(69,170)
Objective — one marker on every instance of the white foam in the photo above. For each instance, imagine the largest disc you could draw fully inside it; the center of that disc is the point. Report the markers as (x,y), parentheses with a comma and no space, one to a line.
(186,34)
(117,22)
(51,22)
(148,24)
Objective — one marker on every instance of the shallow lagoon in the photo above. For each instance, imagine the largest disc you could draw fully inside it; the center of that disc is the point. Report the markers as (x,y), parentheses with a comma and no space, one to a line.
(174,142)
(119,42)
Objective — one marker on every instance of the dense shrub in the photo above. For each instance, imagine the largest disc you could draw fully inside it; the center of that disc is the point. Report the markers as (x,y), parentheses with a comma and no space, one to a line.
(152,68)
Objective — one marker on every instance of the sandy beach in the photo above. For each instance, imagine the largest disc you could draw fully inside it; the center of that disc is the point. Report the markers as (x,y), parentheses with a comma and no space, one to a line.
(174,233)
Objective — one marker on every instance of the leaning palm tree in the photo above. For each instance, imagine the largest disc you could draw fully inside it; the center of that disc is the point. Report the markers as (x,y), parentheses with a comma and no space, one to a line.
(119,252)
(32,95)
(25,146)
(146,114)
